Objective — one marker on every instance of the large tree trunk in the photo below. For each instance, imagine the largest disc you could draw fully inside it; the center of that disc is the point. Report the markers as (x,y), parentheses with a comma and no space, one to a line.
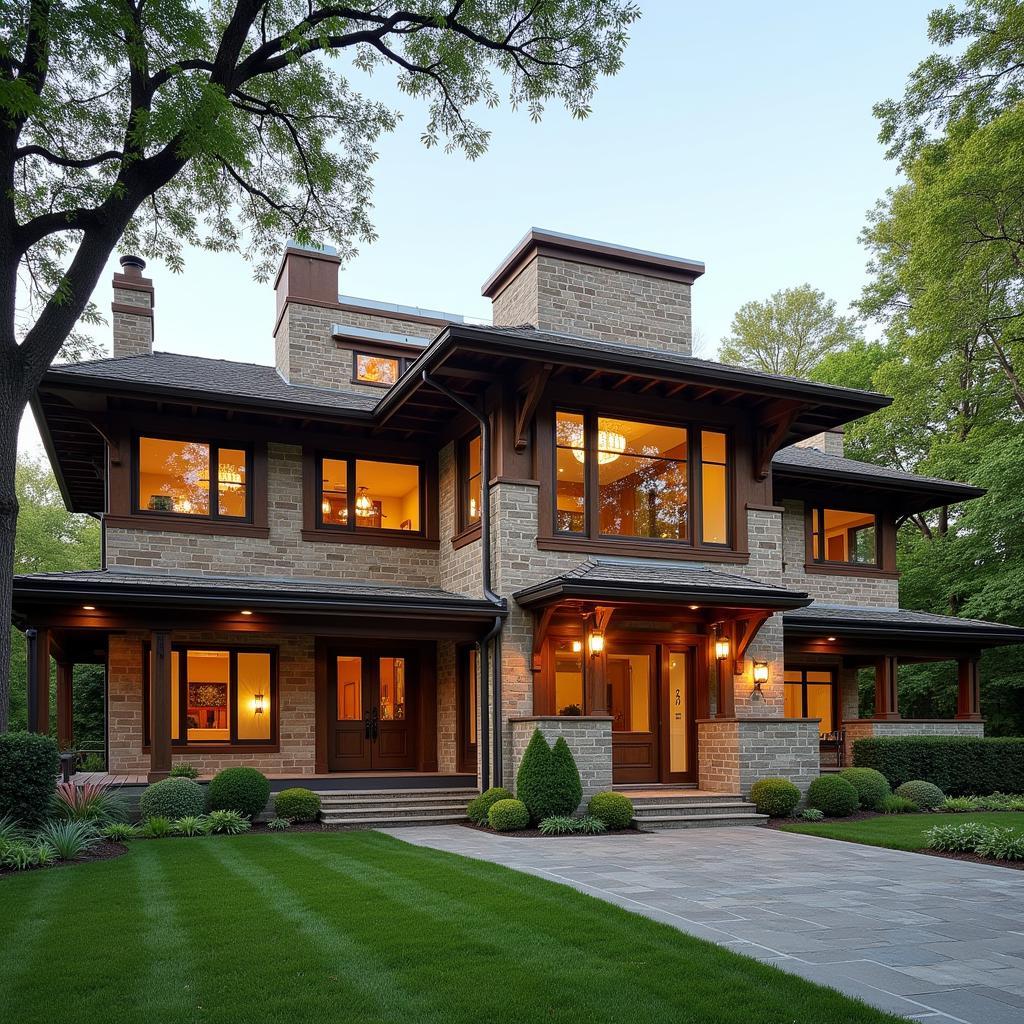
(12,405)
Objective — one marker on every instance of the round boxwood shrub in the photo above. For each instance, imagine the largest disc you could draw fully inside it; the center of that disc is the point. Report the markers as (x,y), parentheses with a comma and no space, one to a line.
(614,809)
(298,804)
(480,805)
(922,793)
(29,766)
(239,789)
(172,798)
(833,796)
(508,816)
(775,797)
(872,786)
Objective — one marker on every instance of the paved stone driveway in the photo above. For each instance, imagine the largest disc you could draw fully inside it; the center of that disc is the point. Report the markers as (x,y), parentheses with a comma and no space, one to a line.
(925,937)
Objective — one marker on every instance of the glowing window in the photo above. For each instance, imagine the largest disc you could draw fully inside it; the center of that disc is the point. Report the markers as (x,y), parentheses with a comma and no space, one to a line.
(469,482)
(362,494)
(842,536)
(568,657)
(192,478)
(371,369)
(714,488)
(810,693)
(570,482)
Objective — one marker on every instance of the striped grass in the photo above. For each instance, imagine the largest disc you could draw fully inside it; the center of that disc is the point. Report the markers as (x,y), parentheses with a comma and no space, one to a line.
(362,928)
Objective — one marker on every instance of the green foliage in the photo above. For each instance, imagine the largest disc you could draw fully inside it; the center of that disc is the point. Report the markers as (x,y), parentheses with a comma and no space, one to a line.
(958,765)
(279,824)
(789,333)
(833,796)
(184,770)
(10,829)
(69,839)
(775,797)
(1000,802)
(1001,844)
(29,764)
(227,822)
(569,825)
(89,801)
(297,804)
(614,809)
(508,816)
(811,814)
(120,831)
(958,804)
(241,789)
(190,825)
(480,805)
(924,794)
(566,782)
(172,799)
(871,785)
(959,838)
(588,825)
(893,804)
(536,784)
(23,854)
(157,827)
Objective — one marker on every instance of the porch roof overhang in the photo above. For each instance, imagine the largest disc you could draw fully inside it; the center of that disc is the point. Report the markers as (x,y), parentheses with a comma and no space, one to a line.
(635,581)
(924,635)
(123,599)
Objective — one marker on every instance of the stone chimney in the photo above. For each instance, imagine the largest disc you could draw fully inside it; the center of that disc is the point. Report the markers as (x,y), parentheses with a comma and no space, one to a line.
(828,441)
(133,309)
(569,285)
(307,297)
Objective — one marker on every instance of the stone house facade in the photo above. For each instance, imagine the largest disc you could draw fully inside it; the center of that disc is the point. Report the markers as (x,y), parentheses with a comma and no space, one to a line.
(415,539)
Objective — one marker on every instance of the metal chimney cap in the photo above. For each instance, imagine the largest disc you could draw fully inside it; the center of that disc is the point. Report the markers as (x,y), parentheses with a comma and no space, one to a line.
(133,261)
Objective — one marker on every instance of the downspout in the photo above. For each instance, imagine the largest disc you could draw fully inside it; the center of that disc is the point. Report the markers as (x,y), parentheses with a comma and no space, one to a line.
(485,574)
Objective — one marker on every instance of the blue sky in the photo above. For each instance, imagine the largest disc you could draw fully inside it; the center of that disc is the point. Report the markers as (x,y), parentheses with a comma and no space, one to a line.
(737,133)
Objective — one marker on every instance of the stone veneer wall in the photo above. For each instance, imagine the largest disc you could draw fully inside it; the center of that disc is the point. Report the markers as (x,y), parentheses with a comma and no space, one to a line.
(620,306)
(132,335)
(589,739)
(734,754)
(284,553)
(828,588)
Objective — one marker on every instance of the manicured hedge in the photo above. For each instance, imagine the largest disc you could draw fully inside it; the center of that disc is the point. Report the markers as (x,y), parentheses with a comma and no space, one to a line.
(29,764)
(172,798)
(958,765)
(297,804)
(241,789)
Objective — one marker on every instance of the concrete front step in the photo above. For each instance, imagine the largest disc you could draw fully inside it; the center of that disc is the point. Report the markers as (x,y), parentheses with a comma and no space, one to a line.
(390,821)
(396,811)
(386,808)
(692,807)
(395,795)
(683,798)
(700,820)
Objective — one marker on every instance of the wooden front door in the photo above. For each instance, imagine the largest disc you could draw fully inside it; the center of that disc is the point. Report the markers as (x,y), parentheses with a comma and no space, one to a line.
(371,710)
(632,699)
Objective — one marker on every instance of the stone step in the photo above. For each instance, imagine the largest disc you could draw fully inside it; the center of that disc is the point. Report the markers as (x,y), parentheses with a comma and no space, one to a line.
(701,820)
(680,798)
(394,810)
(692,807)
(390,821)
(371,795)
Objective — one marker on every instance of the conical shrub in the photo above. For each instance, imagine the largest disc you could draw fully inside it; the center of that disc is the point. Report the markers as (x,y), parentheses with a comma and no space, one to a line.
(568,789)
(535,779)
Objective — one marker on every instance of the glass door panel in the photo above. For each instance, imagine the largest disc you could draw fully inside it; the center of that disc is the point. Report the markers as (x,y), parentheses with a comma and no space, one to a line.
(678,712)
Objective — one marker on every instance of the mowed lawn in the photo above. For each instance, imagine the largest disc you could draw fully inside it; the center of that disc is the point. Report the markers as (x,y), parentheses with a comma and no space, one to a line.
(359,927)
(901,831)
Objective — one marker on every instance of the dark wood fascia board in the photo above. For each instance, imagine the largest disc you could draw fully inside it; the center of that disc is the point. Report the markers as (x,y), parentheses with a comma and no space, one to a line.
(390,540)
(913,492)
(641,593)
(593,253)
(977,636)
(641,548)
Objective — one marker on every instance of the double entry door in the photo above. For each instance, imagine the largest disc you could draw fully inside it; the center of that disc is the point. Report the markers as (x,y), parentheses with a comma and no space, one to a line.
(371,710)
(650,697)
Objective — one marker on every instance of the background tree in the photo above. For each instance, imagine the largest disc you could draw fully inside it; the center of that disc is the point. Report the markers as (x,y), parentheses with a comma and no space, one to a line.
(51,539)
(230,125)
(790,333)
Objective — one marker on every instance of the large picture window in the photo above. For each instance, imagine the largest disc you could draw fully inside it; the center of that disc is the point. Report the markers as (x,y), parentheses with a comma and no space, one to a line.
(221,696)
(629,478)
(363,494)
(811,693)
(849,538)
(192,478)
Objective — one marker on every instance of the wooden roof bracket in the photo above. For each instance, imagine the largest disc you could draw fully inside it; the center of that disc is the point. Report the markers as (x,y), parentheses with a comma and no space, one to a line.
(746,629)
(527,405)
(770,435)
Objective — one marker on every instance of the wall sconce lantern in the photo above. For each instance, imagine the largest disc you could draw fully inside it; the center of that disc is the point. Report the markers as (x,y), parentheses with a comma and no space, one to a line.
(258,699)
(760,674)
(596,642)
(577,646)
(721,647)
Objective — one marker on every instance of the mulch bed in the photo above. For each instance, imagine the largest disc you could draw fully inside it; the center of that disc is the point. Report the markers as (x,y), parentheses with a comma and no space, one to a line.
(975,859)
(533,833)
(859,816)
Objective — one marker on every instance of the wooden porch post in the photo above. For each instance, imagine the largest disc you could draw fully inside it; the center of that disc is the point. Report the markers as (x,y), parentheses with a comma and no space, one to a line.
(726,671)
(968,701)
(160,707)
(65,718)
(597,664)
(886,696)
(38,657)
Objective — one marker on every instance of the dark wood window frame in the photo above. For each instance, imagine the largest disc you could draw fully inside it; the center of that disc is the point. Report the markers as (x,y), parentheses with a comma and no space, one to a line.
(591,539)
(837,710)
(884,566)
(234,745)
(466,530)
(124,487)
(315,530)
(404,363)
(818,527)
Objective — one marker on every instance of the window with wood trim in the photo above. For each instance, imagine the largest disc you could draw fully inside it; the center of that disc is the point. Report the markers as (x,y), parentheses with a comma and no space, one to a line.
(219,696)
(369,495)
(369,368)
(626,478)
(469,477)
(844,537)
(197,478)
(811,693)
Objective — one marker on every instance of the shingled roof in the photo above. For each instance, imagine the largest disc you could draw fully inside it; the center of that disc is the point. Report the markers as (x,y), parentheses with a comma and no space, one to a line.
(640,580)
